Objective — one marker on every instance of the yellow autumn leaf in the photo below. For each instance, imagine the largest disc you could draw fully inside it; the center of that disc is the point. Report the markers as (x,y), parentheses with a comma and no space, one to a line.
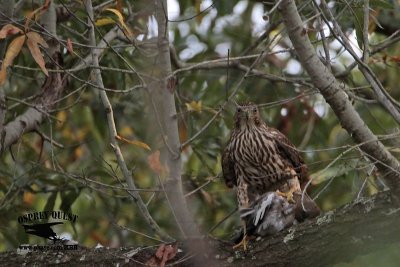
(61,118)
(194,106)
(121,21)
(9,30)
(126,131)
(116,12)
(80,134)
(33,40)
(12,51)
(78,152)
(67,133)
(133,142)
(104,21)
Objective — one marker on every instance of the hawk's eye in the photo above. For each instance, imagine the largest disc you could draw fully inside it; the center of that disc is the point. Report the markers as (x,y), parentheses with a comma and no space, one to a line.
(255,110)
(239,110)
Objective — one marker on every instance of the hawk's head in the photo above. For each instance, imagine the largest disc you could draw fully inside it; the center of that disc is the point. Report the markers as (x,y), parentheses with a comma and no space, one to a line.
(247,116)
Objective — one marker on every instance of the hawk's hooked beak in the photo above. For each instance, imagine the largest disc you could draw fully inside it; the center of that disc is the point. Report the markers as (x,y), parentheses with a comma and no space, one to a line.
(247,115)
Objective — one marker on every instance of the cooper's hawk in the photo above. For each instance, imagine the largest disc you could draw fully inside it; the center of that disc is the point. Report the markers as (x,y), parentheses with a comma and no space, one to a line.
(259,159)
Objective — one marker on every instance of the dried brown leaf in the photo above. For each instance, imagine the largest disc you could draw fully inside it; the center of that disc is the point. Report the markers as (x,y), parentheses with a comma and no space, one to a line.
(34,39)
(36,13)
(13,50)
(133,142)
(69,46)
(163,254)
(9,30)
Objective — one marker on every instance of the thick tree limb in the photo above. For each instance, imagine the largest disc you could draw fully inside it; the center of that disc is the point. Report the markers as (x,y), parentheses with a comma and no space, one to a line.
(358,228)
(333,93)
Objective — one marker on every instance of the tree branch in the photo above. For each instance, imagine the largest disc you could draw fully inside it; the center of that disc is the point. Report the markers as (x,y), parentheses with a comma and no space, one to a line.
(51,91)
(358,228)
(331,90)
(112,129)
(337,236)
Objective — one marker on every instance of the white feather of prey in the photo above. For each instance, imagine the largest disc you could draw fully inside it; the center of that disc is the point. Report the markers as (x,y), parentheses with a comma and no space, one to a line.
(266,203)
(269,214)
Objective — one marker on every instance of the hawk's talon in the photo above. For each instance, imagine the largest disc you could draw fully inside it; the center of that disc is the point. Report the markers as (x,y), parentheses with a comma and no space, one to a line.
(242,243)
(288,195)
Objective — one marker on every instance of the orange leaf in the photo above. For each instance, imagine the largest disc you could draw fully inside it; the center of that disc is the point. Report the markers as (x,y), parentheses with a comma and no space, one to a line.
(133,142)
(78,152)
(155,164)
(183,134)
(28,198)
(13,50)
(33,40)
(9,30)
(69,46)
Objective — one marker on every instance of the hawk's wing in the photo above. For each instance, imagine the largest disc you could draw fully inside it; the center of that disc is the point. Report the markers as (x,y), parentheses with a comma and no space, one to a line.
(289,152)
(305,208)
(228,171)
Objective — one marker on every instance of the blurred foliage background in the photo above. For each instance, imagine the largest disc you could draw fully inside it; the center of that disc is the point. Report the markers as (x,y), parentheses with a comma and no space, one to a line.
(81,175)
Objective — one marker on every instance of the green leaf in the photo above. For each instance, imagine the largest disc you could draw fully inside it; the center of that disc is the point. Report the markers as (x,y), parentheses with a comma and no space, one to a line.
(358,26)
(381,3)
(224,7)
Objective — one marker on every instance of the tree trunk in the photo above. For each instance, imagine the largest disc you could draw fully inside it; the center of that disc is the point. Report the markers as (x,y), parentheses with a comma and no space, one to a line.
(162,98)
